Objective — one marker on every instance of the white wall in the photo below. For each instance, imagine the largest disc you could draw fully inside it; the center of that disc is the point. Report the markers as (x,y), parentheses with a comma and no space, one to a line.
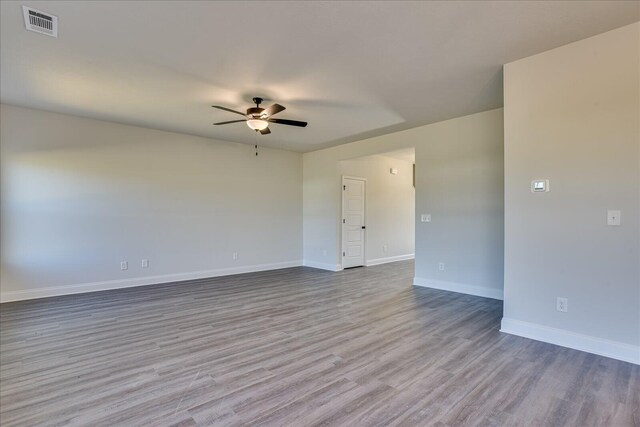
(78,196)
(459,180)
(572,115)
(390,207)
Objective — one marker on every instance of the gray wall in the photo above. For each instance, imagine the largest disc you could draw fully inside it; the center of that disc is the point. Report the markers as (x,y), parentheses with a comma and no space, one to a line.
(459,181)
(79,196)
(572,116)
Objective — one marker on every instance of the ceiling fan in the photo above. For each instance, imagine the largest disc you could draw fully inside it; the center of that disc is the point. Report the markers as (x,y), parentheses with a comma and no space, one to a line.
(258,118)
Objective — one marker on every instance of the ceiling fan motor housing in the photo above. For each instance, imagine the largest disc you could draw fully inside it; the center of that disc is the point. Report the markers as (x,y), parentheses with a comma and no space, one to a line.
(255,111)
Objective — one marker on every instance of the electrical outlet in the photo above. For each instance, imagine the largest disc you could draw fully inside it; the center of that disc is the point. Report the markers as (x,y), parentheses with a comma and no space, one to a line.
(124,265)
(562,304)
(441,266)
(144,263)
(235,256)
(384,248)
(324,252)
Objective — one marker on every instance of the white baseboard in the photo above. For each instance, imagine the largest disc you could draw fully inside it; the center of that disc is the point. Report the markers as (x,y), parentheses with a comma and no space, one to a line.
(379,261)
(338,267)
(322,266)
(459,287)
(600,346)
(138,281)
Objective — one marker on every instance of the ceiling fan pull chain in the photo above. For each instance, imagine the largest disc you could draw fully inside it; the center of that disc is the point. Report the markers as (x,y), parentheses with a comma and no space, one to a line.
(256,149)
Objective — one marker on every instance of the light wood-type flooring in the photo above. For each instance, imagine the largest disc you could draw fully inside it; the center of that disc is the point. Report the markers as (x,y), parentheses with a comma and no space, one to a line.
(295,347)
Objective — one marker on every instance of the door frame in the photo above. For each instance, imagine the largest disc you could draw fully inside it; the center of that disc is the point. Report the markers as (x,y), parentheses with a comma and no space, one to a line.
(341,218)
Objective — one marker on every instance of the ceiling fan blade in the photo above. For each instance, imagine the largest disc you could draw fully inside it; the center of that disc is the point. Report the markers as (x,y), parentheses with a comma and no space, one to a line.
(265,131)
(273,109)
(228,109)
(288,122)
(231,121)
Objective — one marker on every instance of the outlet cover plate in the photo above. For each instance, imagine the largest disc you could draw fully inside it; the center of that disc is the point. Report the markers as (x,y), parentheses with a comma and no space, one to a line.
(562,304)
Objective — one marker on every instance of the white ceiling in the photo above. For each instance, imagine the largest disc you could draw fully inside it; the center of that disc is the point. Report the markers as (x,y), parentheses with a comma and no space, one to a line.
(351,69)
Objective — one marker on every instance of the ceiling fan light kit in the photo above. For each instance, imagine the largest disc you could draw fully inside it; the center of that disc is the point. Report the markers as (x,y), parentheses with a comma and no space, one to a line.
(258,118)
(257,124)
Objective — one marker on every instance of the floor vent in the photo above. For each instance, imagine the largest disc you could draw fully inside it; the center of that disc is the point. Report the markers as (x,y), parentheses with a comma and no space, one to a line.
(40,22)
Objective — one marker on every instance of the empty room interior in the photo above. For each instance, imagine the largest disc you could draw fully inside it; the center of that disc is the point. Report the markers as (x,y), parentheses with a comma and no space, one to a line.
(320,213)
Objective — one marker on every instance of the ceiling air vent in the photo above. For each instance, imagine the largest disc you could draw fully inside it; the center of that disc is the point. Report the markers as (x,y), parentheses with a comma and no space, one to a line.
(40,22)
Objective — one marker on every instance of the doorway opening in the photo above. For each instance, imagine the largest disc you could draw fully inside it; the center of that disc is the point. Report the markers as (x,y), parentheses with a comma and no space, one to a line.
(378,209)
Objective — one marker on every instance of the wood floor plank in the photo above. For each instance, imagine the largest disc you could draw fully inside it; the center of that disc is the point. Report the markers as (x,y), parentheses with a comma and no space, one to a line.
(295,347)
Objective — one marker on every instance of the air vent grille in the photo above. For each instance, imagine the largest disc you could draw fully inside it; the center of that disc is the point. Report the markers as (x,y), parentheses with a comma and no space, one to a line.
(40,22)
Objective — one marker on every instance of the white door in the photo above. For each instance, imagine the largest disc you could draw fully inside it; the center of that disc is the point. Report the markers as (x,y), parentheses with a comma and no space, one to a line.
(353,225)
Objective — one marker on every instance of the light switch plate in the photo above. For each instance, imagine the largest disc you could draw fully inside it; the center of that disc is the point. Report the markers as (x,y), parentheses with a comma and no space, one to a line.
(540,186)
(613,218)
(425,218)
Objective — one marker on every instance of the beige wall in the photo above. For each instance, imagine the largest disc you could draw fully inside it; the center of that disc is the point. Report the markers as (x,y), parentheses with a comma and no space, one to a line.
(459,180)
(390,207)
(79,196)
(572,116)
